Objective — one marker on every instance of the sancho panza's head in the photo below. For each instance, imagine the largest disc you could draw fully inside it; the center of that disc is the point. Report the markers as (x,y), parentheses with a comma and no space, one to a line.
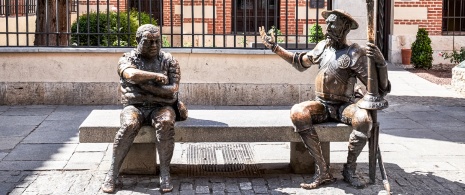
(148,38)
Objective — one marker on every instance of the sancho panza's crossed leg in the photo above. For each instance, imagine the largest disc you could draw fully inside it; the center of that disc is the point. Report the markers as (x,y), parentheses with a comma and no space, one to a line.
(131,120)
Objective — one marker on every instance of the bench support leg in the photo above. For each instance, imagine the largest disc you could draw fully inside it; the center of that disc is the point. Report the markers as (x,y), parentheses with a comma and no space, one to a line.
(141,159)
(301,161)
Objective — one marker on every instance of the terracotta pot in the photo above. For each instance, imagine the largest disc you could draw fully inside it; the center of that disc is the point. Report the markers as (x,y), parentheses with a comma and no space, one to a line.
(406,55)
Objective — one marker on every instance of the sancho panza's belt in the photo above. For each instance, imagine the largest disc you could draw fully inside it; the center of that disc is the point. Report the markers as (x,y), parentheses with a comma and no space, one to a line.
(149,104)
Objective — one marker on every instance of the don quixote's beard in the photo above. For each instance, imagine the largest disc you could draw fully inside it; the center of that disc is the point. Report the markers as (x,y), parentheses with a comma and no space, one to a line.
(335,43)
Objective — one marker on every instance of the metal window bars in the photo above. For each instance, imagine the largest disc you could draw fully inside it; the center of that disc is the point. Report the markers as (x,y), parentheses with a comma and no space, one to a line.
(222,24)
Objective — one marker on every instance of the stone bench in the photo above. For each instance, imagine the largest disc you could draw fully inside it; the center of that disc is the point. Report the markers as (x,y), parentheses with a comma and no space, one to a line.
(215,124)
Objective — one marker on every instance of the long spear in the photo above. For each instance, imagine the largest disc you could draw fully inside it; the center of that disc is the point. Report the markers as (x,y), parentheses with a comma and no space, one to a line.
(372,101)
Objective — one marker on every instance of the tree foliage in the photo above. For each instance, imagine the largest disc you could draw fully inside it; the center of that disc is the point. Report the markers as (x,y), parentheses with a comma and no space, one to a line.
(108,28)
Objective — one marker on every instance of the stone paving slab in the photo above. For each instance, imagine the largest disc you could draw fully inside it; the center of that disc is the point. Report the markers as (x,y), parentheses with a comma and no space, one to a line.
(455,136)
(32,165)
(23,120)
(8,143)
(41,152)
(399,123)
(52,137)
(16,131)
(92,147)
(62,112)
(28,111)
(4,108)
(2,155)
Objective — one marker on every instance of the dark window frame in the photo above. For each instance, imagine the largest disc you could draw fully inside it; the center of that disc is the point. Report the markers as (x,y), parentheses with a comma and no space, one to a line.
(244,15)
(453,17)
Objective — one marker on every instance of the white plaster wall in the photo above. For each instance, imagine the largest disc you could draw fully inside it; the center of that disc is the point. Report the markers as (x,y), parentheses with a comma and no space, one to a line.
(410,13)
(438,44)
(195,68)
(357,9)
(198,11)
(302,12)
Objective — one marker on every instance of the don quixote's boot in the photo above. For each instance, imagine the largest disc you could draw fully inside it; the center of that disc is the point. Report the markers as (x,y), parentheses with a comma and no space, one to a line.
(356,144)
(322,175)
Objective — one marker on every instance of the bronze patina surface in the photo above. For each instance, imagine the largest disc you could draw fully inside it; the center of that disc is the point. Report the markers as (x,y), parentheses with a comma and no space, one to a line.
(340,65)
(149,81)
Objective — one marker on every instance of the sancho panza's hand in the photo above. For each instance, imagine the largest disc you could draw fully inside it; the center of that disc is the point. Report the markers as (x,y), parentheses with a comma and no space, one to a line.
(161,78)
(267,40)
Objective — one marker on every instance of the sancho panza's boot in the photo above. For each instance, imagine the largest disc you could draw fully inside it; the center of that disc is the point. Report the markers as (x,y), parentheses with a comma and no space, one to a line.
(322,175)
(165,147)
(121,146)
(356,143)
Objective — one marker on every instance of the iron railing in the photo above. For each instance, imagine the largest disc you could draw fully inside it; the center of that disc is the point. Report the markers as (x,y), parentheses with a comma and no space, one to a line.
(453,17)
(17,7)
(184,23)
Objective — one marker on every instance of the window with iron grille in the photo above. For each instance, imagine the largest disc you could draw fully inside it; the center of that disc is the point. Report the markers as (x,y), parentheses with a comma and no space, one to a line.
(17,7)
(453,17)
(251,14)
(74,4)
(151,7)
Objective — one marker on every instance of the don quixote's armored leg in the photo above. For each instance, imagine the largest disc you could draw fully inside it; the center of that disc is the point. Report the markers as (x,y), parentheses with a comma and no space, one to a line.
(163,122)
(131,120)
(361,123)
(301,116)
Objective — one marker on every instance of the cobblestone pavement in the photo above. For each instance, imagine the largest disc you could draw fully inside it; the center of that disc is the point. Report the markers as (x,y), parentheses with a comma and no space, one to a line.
(422,141)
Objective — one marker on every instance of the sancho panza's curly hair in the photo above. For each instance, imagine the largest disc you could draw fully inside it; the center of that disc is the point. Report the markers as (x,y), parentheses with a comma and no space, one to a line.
(146,27)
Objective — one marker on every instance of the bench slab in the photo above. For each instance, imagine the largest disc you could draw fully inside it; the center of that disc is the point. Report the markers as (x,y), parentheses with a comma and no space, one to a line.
(214,125)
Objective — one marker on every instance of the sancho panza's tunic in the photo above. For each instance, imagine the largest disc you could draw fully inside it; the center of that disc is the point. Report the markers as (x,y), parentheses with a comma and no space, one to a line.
(133,94)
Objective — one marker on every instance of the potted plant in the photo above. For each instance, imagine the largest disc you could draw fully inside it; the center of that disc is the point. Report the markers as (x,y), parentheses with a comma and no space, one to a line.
(422,53)
(406,53)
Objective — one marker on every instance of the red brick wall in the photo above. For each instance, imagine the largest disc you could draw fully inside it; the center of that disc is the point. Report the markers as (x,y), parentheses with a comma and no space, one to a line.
(113,3)
(288,13)
(434,22)
(218,17)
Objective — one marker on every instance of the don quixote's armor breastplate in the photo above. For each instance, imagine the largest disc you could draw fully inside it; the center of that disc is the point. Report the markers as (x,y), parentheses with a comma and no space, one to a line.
(335,80)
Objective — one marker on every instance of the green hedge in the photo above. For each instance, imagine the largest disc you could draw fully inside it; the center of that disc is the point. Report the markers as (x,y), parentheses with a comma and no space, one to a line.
(315,34)
(422,53)
(107,24)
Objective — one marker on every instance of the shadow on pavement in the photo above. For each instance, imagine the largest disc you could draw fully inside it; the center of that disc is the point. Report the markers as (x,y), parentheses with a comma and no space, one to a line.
(434,118)
(400,180)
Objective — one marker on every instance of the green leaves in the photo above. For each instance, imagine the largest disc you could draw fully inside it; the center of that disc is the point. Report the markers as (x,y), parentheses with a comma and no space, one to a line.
(422,53)
(455,56)
(108,28)
(315,33)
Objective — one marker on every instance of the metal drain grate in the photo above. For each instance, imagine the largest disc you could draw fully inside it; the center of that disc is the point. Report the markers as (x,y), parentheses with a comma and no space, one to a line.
(235,160)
